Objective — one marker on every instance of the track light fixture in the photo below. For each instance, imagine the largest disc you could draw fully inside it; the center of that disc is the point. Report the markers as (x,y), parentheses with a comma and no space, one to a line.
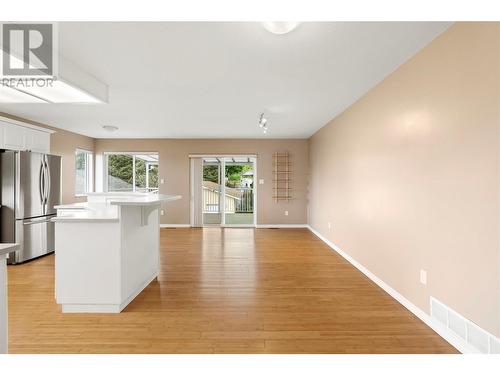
(263,123)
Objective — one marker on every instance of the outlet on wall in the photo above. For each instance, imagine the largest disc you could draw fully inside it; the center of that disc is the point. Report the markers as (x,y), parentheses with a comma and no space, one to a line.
(162,212)
(162,181)
(261,181)
(423,277)
(286,213)
(329,226)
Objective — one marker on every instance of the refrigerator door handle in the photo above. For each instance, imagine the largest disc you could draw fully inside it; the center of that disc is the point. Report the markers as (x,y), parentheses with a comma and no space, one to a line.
(41,183)
(47,180)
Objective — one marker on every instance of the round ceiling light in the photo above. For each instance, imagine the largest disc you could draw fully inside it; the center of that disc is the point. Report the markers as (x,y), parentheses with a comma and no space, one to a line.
(110,128)
(280,28)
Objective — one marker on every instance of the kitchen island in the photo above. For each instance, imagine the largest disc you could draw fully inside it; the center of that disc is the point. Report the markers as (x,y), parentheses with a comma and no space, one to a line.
(107,250)
(5,248)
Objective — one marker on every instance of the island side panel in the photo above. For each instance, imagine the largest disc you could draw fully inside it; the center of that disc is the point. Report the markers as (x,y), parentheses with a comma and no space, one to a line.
(87,265)
(3,305)
(140,249)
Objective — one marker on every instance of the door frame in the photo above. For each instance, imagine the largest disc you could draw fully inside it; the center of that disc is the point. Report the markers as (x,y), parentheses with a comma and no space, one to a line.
(223,188)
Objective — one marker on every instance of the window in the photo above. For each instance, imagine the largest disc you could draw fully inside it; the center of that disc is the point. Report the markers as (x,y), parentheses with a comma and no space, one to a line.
(83,172)
(132,172)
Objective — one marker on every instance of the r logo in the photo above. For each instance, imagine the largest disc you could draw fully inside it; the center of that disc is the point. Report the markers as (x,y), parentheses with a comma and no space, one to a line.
(28,49)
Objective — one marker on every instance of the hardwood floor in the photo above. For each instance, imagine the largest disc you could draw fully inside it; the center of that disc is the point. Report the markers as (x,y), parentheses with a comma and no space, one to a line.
(226,291)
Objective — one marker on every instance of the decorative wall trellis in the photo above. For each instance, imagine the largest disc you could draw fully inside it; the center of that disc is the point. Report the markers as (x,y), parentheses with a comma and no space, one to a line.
(282,177)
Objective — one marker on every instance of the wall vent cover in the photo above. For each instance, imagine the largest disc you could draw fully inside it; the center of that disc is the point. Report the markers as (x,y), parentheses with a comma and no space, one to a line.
(465,330)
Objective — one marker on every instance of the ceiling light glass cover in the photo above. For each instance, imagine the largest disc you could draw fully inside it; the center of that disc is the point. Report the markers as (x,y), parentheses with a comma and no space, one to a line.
(110,128)
(280,28)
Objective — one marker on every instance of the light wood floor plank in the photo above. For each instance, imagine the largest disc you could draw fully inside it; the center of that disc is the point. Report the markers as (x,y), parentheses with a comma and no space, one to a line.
(226,291)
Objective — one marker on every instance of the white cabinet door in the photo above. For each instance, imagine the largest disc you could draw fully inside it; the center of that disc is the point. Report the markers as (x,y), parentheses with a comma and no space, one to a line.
(13,137)
(37,141)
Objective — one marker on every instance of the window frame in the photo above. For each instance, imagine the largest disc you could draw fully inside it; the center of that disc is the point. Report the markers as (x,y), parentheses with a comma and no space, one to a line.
(89,174)
(129,153)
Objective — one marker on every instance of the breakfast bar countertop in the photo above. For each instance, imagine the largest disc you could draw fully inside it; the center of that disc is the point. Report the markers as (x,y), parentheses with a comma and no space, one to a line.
(6,248)
(105,208)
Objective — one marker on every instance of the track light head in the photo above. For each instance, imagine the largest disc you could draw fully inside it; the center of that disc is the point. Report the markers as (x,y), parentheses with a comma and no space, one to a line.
(263,123)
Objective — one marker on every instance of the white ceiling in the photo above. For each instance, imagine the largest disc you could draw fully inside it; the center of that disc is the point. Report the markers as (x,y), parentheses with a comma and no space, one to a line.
(212,80)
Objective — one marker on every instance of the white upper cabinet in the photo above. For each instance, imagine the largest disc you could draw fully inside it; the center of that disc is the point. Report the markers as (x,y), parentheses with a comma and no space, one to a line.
(15,136)
(38,141)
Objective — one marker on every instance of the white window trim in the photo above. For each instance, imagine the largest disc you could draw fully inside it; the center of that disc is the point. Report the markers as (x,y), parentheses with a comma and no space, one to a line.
(90,171)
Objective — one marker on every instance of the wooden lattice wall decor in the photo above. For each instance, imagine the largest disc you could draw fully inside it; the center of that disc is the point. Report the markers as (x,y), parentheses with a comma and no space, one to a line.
(282,177)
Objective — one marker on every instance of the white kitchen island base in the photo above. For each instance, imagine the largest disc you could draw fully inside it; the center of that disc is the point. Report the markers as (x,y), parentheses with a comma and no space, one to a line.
(107,251)
(5,248)
(104,308)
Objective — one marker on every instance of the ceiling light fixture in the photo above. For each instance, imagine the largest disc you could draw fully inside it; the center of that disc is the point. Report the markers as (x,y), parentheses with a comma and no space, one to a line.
(280,28)
(263,123)
(72,85)
(110,128)
(10,95)
(60,92)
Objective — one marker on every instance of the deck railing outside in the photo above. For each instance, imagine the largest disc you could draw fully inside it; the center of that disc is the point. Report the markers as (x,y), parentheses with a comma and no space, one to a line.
(242,202)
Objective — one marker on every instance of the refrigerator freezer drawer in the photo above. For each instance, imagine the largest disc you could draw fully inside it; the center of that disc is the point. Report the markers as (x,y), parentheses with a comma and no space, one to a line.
(36,238)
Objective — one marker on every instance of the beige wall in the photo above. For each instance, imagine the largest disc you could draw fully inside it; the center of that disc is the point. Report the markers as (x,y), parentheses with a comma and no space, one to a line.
(64,143)
(409,175)
(174,168)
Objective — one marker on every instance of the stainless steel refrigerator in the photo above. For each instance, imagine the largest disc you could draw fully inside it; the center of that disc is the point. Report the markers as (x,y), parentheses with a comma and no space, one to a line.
(30,188)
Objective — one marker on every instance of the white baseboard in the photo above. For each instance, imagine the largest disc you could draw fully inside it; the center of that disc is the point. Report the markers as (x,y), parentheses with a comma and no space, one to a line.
(240,226)
(282,226)
(441,330)
(99,308)
(72,308)
(136,292)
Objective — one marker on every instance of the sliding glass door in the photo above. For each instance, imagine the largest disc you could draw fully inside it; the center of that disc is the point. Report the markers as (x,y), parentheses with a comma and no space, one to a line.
(212,191)
(239,191)
(228,191)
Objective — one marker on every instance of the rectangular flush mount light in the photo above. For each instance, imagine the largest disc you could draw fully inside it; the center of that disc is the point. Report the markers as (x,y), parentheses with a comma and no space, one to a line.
(59,92)
(83,89)
(9,95)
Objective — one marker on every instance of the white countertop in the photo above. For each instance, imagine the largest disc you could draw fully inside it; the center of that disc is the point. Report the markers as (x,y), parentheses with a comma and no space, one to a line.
(147,200)
(107,210)
(6,248)
(80,212)
(72,206)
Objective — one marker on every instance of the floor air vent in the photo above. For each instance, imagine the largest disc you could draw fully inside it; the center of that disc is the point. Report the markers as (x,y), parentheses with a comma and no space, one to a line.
(465,330)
